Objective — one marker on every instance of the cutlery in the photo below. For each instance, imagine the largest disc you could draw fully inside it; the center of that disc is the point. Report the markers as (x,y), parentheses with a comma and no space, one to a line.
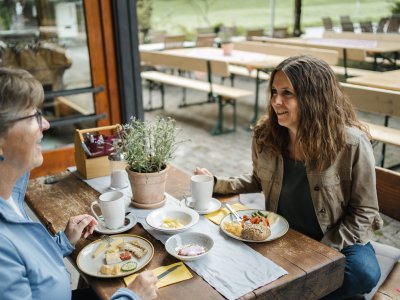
(238,218)
(165,273)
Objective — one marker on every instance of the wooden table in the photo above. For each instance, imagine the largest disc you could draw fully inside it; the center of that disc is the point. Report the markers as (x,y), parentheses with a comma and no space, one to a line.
(314,269)
(250,60)
(386,80)
(377,48)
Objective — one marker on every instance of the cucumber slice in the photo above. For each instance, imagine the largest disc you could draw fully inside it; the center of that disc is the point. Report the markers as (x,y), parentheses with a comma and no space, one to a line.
(129,266)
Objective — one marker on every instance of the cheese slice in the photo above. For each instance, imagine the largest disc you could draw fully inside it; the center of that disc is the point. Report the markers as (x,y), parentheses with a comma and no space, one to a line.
(100,248)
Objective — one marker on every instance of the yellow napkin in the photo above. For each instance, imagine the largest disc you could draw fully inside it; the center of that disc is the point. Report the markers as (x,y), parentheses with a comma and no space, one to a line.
(217,216)
(179,274)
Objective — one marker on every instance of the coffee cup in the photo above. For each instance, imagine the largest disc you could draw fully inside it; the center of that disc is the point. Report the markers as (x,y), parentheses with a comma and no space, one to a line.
(201,189)
(112,206)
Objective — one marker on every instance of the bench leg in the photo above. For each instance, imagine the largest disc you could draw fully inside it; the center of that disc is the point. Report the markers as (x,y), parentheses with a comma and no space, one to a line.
(152,85)
(219,126)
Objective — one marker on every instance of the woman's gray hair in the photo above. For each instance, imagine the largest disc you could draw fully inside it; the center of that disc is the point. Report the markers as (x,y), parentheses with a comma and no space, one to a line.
(19,90)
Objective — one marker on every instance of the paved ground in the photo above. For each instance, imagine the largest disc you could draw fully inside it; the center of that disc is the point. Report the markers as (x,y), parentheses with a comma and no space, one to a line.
(230,154)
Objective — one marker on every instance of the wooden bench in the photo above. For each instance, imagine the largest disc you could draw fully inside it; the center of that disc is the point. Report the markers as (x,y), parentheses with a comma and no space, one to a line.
(377,101)
(330,56)
(379,37)
(276,49)
(358,55)
(388,190)
(223,95)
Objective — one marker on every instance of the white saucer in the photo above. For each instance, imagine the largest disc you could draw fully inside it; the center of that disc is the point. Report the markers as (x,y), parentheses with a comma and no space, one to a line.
(130,221)
(214,206)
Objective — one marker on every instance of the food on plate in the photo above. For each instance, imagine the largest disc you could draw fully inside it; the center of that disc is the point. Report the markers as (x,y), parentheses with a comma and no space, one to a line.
(272,217)
(126,255)
(129,266)
(255,232)
(116,269)
(191,250)
(100,248)
(135,248)
(110,270)
(117,252)
(112,258)
(106,269)
(255,227)
(234,228)
(171,223)
(116,242)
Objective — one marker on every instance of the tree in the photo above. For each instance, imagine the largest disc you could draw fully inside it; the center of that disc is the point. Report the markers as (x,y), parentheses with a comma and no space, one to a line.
(297,18)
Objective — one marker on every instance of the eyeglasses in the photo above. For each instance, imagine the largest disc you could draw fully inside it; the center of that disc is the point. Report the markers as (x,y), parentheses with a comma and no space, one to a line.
(38,115)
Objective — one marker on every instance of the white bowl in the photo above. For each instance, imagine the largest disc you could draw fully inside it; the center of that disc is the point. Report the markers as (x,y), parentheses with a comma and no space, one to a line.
(187,217)
(177,241)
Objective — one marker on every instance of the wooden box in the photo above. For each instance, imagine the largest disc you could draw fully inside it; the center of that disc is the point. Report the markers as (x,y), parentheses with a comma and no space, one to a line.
(91,167)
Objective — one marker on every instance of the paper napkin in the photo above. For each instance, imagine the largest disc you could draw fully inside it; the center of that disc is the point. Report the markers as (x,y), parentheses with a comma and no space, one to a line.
(180,274)
(217,216)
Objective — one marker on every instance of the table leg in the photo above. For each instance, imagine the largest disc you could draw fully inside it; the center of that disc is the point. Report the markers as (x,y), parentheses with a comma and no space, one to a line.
(345,63)
(255,117)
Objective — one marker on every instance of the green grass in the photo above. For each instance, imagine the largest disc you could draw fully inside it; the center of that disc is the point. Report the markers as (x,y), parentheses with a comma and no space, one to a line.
(179,16)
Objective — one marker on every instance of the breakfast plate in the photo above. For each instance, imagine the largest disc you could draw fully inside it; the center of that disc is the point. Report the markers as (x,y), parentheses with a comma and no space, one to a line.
(130,221)
(278,227)
(92,265)
(172,219)
(215,205)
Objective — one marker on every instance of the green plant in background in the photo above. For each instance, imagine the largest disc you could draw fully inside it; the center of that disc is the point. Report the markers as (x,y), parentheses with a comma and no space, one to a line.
(149,145)
(225,35)
(6,14)
(395,9)
(144,10)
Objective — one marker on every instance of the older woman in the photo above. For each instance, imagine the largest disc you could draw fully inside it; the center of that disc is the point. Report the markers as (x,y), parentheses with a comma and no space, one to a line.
(314,163)
(31,259)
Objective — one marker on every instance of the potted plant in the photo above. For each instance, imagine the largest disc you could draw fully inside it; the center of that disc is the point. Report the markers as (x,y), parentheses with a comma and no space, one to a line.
(149,146)
(225,41)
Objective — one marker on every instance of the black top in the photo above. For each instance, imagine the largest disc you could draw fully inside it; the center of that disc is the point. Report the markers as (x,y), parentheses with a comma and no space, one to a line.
(295,203)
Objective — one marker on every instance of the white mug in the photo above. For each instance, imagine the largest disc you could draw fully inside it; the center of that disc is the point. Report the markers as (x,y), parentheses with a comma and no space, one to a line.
(112,205)
(201,188)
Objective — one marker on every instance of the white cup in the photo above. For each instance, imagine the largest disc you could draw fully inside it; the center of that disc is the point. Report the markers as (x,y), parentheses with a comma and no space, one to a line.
(201,188)
(112,206)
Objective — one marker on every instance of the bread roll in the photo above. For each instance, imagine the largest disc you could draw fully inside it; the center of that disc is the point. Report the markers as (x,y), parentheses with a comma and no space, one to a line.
(255,232)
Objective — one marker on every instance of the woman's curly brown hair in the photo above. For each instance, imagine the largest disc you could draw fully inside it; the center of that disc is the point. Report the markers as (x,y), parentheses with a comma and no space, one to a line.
(324,112)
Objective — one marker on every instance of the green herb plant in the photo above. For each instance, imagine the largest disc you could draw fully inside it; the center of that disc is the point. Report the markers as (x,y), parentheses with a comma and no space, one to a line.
(149,145)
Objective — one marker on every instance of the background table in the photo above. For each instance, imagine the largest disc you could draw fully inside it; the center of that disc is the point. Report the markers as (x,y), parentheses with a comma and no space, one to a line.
(314,269)
(389,80)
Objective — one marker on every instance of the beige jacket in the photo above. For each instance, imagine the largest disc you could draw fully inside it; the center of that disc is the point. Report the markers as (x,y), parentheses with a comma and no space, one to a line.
(344,195)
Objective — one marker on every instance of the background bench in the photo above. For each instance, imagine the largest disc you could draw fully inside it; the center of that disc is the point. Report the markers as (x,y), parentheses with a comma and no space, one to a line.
(388,190)
(223,95)
(377,101)
(358,55)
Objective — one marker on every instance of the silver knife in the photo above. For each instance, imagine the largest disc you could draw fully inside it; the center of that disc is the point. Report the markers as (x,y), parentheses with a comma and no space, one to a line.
(165,273)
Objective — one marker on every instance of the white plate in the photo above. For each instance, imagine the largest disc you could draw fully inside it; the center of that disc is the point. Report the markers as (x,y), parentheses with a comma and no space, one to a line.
(214,206)
(177,241)
(130,221)
(91,266)
(278,228)
(188,217)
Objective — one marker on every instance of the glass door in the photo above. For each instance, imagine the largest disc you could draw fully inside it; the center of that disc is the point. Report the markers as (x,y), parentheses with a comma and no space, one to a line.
(61,44)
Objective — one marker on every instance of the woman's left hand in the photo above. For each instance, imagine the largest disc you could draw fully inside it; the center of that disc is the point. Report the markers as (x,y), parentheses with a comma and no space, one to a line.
(80,226)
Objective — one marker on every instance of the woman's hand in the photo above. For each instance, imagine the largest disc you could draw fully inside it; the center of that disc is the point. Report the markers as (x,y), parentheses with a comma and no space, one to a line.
(145,285)
(80,226)
(202,171)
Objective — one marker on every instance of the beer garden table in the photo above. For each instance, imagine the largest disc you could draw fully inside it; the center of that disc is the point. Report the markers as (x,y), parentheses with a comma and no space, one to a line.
(314,269)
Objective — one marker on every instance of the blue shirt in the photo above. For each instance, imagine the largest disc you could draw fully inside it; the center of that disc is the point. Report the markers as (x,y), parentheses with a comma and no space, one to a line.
(31,260)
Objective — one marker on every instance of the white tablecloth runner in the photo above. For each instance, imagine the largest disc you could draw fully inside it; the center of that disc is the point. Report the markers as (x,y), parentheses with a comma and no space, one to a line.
(232,268)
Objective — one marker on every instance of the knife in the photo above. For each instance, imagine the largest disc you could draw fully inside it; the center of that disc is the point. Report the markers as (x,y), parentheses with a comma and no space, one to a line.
(165,273)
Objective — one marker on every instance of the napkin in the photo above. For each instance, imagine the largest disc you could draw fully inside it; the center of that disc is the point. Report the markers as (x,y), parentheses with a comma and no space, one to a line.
(217,216)
(180,274)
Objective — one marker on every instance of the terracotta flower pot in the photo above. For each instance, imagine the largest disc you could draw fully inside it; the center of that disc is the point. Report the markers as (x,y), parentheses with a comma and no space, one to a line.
(148,188)
(227,48)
